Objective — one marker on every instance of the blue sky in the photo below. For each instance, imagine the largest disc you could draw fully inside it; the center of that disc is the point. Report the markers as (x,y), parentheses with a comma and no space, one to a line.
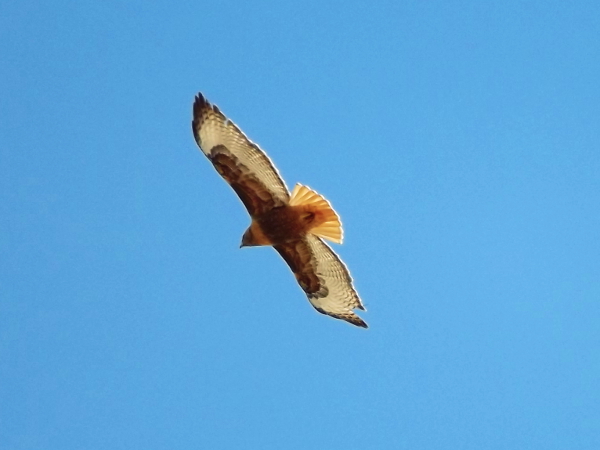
(460,143)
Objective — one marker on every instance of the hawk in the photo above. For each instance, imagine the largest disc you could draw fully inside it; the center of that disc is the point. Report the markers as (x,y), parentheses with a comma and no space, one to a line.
(293,224)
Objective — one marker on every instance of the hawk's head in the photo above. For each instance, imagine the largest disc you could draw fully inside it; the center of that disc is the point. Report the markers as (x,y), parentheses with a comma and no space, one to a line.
(248,239)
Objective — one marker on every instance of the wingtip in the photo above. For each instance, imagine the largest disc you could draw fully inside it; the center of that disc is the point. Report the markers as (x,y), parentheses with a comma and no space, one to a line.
(200,110)
(200,102)
(348,316)
(358,322)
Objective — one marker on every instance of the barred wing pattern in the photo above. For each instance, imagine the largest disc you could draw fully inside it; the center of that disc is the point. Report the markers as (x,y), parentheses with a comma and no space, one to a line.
(323,277)
(240,161)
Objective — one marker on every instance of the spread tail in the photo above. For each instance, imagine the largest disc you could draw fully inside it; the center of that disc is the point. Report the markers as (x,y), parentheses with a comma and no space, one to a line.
(318,214)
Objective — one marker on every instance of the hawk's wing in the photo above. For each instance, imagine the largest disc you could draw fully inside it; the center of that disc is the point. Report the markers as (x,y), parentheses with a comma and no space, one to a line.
(240,161)
(323,277)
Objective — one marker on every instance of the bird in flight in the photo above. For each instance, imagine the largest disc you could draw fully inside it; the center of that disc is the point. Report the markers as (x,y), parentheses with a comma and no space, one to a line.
(293,224)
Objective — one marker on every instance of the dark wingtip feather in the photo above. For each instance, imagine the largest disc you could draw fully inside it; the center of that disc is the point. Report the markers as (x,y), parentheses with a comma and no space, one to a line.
(201,104)
(350,318)
(359,322)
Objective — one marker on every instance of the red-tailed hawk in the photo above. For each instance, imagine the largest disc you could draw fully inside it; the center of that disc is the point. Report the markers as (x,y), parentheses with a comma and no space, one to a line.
(293,224)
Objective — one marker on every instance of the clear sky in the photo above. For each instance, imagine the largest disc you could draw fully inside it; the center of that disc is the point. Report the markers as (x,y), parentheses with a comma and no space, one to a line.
(460,143)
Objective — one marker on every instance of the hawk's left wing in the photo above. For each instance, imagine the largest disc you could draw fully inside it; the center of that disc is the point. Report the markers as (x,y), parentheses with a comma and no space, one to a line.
(240,161)
(323,277)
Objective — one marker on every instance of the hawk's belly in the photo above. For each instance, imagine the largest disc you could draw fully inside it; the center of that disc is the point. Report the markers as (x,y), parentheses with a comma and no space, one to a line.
(285,224)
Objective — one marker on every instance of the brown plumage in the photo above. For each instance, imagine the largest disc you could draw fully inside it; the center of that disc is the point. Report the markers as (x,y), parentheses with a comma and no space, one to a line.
(306,212)
(292,224)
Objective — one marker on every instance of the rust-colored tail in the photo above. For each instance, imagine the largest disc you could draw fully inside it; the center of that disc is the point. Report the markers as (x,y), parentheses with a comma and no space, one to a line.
(320,217)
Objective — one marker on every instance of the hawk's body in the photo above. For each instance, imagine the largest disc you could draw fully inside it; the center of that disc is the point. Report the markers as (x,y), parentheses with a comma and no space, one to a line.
(279,226)
(293,224)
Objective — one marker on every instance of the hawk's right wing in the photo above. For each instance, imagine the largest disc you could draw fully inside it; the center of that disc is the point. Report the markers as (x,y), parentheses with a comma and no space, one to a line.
(323,277)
